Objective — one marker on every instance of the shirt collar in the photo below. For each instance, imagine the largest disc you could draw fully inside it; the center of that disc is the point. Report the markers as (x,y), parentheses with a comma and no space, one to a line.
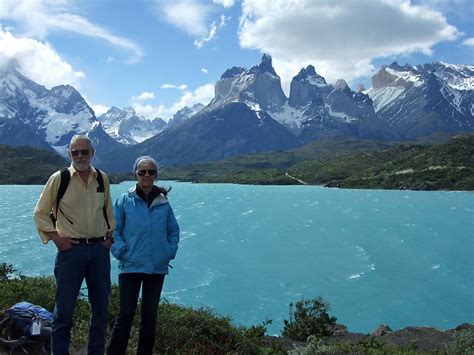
(73,170)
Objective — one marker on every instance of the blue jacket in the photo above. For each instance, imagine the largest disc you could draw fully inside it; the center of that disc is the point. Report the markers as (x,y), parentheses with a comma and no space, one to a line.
(145,238)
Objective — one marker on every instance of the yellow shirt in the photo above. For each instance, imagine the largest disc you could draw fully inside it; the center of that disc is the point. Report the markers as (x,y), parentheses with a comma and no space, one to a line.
(81,204)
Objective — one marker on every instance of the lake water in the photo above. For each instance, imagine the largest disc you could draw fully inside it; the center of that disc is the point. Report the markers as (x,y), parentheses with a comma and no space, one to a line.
(394,257)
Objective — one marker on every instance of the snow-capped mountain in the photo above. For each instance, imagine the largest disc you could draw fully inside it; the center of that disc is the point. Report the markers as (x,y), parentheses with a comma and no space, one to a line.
(314,108)
(259,87)
(46,118)
(418,100)
(182,115)
(228,130)
(126,127)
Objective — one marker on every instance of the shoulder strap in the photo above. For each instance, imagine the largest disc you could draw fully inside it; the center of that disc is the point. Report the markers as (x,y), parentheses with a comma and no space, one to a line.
(65,177)
(100,188)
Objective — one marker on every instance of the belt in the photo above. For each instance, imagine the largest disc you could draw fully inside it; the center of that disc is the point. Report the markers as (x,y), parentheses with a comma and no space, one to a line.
(89,240)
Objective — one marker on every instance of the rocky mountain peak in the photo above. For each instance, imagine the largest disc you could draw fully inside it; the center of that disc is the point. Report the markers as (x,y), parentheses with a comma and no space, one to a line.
(232,72)
(341,84)
(265,66)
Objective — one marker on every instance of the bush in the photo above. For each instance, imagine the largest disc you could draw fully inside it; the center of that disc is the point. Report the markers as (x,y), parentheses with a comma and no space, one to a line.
(309,317)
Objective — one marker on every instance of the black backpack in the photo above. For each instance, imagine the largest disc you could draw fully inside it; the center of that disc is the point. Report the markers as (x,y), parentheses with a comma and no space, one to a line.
(65,178)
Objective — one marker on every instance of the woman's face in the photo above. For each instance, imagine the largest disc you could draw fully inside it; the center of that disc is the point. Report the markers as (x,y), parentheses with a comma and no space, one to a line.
(146,174)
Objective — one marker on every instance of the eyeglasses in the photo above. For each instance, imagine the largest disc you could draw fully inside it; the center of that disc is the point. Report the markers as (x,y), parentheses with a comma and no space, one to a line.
(84,152)
(151,172)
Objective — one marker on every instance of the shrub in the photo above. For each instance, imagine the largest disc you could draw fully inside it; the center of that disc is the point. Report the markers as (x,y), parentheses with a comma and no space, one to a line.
(463,343)
(309,317)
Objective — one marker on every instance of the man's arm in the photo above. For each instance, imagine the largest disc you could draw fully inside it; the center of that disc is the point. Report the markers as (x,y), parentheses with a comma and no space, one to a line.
(47,203)
(44,206)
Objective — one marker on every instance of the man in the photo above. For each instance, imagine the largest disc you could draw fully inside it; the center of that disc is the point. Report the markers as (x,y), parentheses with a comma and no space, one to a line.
(83,240)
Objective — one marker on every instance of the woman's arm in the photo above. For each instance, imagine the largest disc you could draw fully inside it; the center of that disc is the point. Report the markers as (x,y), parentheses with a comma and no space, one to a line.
(120,246)
(173,233)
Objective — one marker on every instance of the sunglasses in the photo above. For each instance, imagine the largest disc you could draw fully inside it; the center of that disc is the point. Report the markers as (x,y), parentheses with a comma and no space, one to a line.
(151,172)
(84,152)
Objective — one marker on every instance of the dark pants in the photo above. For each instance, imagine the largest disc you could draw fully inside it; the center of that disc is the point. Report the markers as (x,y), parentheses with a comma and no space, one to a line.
(92,263)
(129,285)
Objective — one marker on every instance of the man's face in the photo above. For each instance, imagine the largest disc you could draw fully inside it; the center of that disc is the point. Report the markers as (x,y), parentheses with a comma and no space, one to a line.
(81,154)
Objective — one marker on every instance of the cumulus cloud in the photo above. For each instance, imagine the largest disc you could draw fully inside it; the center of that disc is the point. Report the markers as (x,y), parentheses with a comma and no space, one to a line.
(38,61)
(144,96)
(339,38)
(192,17)
(203,94)
(172,86)
(469,42)
(204,70)
(39,17)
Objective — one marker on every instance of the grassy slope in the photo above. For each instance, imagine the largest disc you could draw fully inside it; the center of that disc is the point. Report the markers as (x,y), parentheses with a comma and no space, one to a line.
(27,165)
(347,163)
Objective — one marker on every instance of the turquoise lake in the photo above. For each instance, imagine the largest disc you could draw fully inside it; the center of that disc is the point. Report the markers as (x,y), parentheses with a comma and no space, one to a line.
(401,258)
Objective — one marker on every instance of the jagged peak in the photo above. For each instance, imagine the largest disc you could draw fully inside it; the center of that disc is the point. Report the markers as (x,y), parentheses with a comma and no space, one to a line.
(129,110)
(232,72)
(309,74)
(265,66)
(341,84)
(398,67)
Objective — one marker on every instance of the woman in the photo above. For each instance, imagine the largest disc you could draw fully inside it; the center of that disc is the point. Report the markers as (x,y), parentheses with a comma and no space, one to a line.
(146,238)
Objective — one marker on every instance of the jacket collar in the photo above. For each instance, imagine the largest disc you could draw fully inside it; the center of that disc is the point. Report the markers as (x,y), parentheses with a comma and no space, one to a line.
(159,200)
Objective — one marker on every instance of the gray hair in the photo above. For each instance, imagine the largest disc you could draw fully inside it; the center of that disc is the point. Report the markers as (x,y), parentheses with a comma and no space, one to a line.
(144,158)
(80,137)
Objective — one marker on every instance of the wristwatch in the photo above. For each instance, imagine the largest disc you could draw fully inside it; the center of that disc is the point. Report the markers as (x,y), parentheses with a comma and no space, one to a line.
(110,238)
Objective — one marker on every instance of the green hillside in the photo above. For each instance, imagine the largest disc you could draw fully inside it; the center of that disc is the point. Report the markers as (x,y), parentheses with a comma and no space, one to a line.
(27,165)
(347,163)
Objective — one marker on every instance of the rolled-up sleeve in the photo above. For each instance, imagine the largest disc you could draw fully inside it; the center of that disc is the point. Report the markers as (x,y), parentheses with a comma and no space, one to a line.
(45,205)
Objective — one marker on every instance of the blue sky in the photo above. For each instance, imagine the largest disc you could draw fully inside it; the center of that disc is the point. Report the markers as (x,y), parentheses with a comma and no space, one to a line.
(161,55)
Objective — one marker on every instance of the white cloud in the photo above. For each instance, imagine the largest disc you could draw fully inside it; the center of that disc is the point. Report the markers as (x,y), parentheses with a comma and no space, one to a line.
(212,32)
(172,86)
(188,15)
(38,61)
(144,96)
(469,42)
(203,94)
(225,3)
(191,16)
(38,17)
(99,109)
(204,70)
(339,38)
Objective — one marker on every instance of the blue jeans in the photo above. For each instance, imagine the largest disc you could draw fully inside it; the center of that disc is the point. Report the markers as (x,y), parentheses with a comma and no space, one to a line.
(92,263)
(129,285)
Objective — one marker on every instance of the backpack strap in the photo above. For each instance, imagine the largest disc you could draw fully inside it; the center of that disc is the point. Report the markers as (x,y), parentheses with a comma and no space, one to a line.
(100,188)
(65,178)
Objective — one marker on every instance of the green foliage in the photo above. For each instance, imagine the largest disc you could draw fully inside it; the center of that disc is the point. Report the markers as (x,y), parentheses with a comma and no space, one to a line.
(6,271)
(463,343)
(369,345)
(180,329)
(16,287)
(348,163)
(27,165)
(309,317)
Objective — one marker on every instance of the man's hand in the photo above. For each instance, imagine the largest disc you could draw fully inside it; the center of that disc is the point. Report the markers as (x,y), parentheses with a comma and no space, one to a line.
(107,243)
(61,243)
